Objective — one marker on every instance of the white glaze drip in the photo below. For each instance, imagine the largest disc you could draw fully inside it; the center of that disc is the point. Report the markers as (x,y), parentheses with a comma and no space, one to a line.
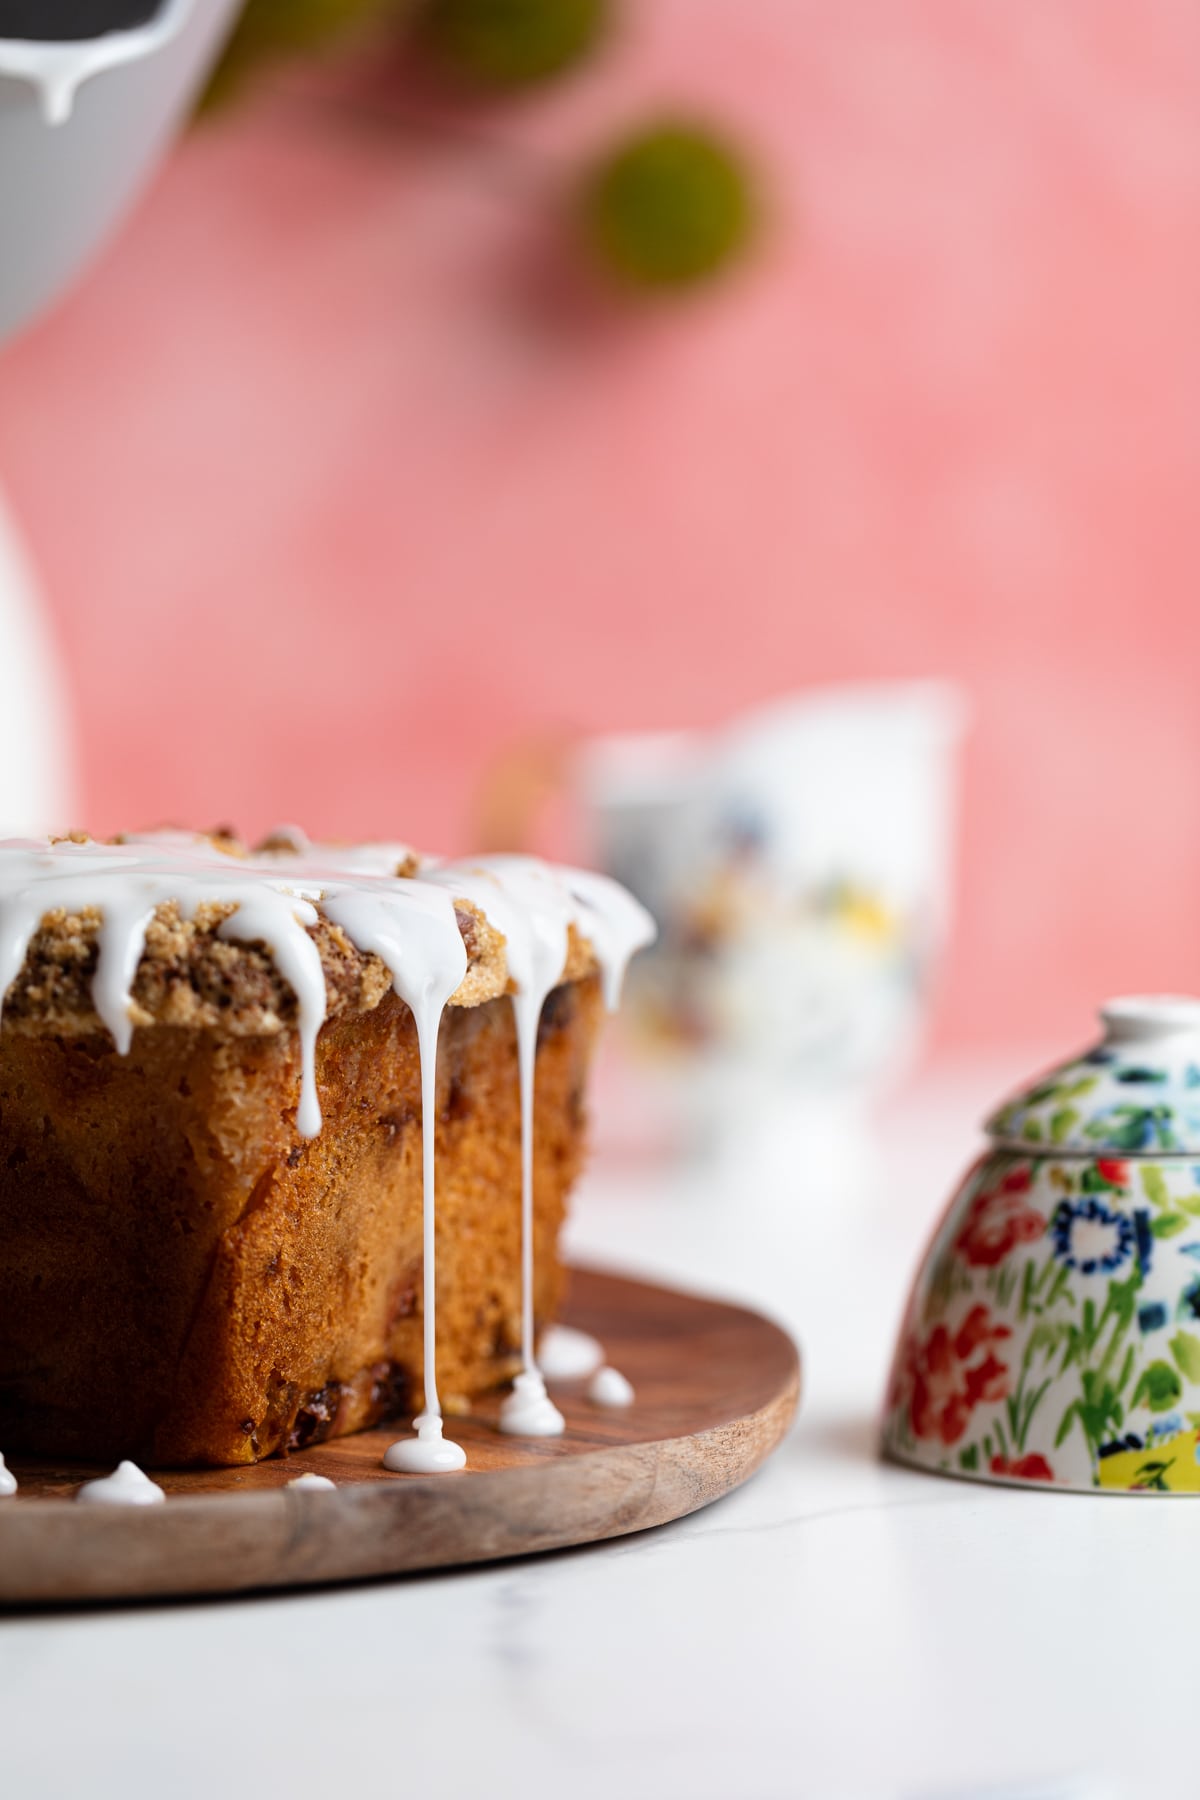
(409,922)
(258,918)
(413,928)
(58,70)
(126,882)
(8,1481)
(308,1481)
(565,1354)
(428,1453)
(126,1486)
(534,920)
(289,848)
(529,1411)
(608,1387)
(614,923)
(533,905)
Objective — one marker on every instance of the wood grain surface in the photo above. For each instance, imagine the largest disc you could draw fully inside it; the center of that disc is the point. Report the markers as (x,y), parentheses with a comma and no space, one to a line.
(716,1388)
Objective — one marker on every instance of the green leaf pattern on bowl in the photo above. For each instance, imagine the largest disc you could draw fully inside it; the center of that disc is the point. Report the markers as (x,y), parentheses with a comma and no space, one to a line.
(1101,1102)
(1054,1333)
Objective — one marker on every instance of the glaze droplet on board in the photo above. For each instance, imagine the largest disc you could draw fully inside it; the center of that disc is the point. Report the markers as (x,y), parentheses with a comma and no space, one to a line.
(310,1481)
(529,1411)
(565,1354)
(428,1453)
(126,1486)
(608,1387)
(8,1481)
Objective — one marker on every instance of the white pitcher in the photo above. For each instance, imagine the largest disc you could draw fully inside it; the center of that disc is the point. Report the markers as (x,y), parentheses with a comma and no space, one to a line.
(82,123)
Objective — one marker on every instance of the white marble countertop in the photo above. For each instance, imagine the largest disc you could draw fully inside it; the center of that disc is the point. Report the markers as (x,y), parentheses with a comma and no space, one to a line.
(836,1628)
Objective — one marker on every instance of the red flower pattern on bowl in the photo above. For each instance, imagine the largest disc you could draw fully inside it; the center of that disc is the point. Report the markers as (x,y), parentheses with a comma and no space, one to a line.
(1022,1468)
(950,1374)
(999,1220)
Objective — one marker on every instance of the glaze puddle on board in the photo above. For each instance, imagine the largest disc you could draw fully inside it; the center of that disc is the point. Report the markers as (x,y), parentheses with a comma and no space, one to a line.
(126,1486)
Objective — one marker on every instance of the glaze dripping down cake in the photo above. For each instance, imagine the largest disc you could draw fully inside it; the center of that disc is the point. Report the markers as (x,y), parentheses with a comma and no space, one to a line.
(211,1132)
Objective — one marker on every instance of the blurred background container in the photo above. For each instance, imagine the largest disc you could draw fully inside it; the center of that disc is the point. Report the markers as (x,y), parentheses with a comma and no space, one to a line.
(799,863)
(342,478)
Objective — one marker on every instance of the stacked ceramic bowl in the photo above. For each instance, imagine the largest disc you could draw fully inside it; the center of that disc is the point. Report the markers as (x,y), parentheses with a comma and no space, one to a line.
(1053,1334)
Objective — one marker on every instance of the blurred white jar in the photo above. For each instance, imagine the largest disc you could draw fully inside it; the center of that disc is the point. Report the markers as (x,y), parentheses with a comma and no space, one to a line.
(800,865)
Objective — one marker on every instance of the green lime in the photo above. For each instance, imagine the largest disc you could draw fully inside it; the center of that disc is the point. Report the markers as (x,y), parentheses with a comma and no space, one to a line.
(271,29)
(669,206)
(502,44)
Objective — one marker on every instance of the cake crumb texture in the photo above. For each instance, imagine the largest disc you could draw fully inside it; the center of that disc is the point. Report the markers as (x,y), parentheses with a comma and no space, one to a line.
(185,1279)
(190,976)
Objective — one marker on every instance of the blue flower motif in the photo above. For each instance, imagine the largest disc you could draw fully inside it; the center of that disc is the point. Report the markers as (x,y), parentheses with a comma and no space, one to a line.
(1161,1430)
(1091,1237)
(1152,1316)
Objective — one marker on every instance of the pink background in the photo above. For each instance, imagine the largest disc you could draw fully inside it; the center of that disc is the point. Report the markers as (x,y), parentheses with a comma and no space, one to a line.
(337,485)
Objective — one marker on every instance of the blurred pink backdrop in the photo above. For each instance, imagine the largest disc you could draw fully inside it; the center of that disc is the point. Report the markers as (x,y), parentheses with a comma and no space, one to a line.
(335,489)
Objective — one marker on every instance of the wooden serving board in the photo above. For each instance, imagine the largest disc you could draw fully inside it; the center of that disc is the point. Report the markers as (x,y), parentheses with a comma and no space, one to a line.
(716,1388)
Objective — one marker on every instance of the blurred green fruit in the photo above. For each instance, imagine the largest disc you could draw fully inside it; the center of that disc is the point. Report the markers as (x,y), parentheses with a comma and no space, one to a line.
(669,206)
(271,29)
(503,44)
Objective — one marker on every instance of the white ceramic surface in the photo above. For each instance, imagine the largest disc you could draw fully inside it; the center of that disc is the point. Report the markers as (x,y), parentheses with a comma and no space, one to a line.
(839,1629)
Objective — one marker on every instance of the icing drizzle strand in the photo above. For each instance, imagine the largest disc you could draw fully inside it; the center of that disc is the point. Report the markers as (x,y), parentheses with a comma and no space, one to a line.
(409,922)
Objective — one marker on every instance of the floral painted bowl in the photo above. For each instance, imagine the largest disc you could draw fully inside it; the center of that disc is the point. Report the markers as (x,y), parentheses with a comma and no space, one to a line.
(1053,1332)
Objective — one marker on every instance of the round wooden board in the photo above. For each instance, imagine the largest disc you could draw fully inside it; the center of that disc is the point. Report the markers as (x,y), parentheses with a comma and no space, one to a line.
(716,1388)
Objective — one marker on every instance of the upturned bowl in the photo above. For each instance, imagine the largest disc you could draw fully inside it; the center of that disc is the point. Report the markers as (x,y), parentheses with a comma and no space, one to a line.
(1052,1337)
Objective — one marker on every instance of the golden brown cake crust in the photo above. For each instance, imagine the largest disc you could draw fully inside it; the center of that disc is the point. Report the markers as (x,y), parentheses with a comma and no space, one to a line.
(183,1278)
(190,977)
